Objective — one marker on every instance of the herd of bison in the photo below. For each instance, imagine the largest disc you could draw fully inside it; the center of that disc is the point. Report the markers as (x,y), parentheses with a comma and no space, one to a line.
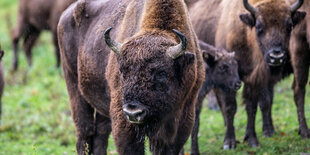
(142,68)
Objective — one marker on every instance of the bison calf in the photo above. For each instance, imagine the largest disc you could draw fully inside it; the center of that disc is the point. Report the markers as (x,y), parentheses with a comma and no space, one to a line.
(221,69)
(33,17)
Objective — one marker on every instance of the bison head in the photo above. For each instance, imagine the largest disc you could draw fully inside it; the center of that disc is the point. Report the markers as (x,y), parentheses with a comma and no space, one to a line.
(273,22)
(222,69)
(154,75)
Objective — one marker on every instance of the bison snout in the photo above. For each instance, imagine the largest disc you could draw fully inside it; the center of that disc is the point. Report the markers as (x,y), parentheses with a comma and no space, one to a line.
(276,57)
(135,113)
(237,85)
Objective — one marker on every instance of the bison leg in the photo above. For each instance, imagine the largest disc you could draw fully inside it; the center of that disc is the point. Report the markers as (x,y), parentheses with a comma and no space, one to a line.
(251,109)
(300,80)
(29,41)
(125,136)
(228,104)
(17,34)
(212,101)
(57,51)
(195,131)
(202,94)
(265,103)
(103,130)
(0,111)
(82,114)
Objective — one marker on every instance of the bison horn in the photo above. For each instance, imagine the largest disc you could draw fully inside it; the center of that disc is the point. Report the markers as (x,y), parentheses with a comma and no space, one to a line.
(115,46)
(178,50)
(296,5)
(249,7)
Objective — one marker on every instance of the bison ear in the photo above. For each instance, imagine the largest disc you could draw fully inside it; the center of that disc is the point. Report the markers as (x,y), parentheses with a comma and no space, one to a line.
(298,17)
(247,19)
(183,62)
(186,59)
(209,57)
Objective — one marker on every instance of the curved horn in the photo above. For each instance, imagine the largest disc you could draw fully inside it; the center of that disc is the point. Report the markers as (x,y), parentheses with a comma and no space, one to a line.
(115,46)
(296,5)
(249,7)
(178,50)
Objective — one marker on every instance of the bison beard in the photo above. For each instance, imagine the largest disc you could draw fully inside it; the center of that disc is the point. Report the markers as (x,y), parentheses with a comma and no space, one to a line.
(149,77)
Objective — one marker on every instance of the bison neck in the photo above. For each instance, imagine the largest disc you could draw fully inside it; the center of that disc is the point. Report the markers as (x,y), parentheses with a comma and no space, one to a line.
(164,15)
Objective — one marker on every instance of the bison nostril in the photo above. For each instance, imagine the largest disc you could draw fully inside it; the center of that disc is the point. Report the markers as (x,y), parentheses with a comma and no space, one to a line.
(238,85)
(134,113)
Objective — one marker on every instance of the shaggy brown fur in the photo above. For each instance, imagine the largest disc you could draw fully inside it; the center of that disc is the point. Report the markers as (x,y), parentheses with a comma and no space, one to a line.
(205,24)
(254,38)
(1,80)
(33,17)
(142,73)
(300,53)
(222,75)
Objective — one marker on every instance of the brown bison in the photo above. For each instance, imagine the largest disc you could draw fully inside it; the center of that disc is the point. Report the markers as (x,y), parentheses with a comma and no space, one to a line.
(221,69)
(33,17)
(1,80)
(300,55)
(147,86)
(259,33)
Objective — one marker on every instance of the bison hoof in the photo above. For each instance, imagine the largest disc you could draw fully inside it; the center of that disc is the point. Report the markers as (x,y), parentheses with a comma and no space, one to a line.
(304,133)
(251,140)
(268,132)
(230,144)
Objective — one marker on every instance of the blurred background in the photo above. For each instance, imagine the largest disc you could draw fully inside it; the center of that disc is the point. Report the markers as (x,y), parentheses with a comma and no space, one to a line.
(36,116)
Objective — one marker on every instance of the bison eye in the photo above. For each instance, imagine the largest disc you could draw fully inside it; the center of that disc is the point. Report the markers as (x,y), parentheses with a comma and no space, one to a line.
(161,76)
(259,28)
(224,68)
(160,86)
(289,27)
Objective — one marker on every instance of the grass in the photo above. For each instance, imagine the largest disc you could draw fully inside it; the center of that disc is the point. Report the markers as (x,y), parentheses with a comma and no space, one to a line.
(36,113)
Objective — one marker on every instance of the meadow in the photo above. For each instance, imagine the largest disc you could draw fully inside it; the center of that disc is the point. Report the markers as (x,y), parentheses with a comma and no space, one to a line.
(36,116)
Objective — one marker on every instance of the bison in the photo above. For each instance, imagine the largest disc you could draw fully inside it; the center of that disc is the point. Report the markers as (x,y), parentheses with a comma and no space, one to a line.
(146,87)
(300,56)
(260,34)
(33,17)
(1,80)
(221,69)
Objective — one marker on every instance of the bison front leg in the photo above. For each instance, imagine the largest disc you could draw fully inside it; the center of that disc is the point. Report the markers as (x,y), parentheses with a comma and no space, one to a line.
(29,41)
(250,100)
(202,94)
(265,103)
(228,106)
(300,80)
(195,131)
(126,139)
(57,51)
(82,115)
(103,130)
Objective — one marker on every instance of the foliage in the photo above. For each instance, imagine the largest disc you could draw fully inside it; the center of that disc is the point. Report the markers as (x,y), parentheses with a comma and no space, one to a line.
(36,111)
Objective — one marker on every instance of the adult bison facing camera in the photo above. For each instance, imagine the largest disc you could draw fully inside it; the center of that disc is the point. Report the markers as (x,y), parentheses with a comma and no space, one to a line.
(259,33)
(33,17)
(152,76)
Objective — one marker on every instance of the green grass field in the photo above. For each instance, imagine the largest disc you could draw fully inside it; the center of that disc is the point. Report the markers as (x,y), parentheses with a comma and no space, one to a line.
(36,113)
